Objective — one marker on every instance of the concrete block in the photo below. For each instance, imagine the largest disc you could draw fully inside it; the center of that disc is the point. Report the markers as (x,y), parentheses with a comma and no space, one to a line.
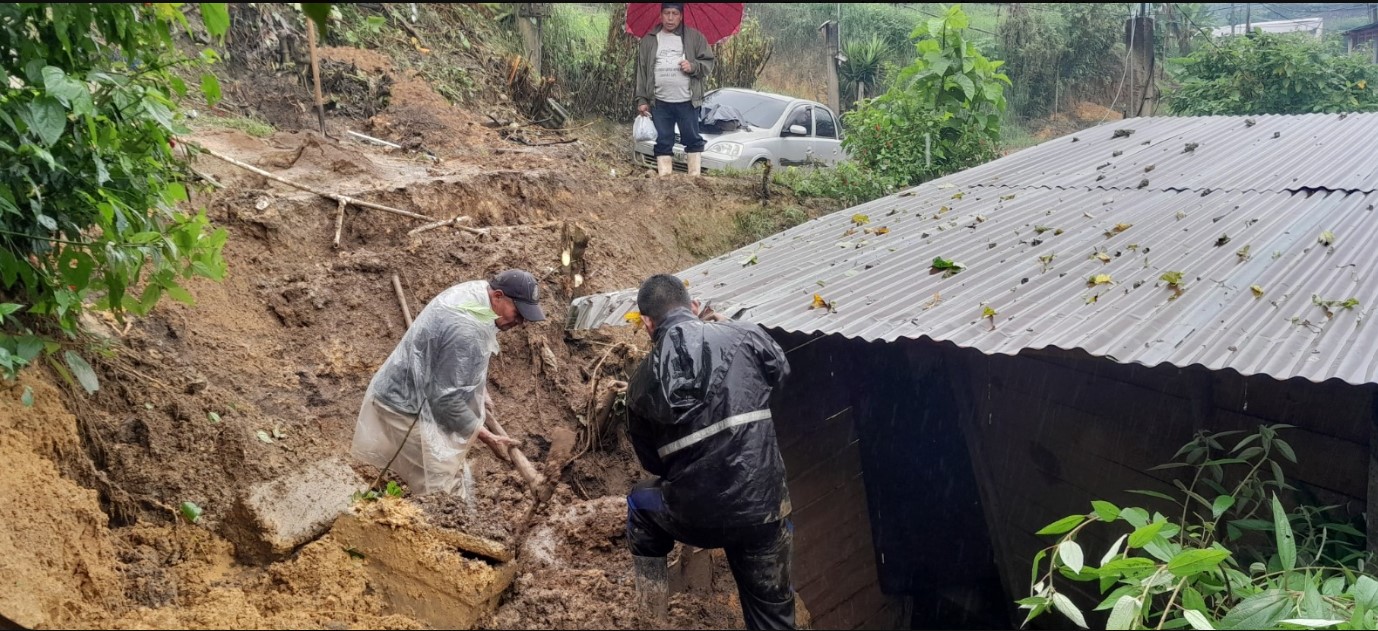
(274,518)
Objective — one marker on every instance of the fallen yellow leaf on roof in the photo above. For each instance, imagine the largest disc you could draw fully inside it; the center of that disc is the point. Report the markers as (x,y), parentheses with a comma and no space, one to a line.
(1258,291)
(1099,279)
(633,318)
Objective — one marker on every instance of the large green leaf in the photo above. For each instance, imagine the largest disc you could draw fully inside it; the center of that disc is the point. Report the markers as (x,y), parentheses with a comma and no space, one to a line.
(1145,534)
(1220,505)
(1197,620)
(1260,611)
(46,118)
(1065,606)
(1286,542)
(319,12)
(1192,562)
(1106,511)
(70,92)
(968,87)
(216,17)
(82,371)
(1122,616)
(210,87)
(1071,555)
(1365,592)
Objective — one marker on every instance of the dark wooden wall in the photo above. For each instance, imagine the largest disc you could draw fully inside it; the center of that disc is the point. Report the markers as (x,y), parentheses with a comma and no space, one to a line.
(834,555)
(1051,430)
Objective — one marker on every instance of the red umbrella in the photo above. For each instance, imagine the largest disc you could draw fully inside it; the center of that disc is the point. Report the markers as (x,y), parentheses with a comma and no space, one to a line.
(716,20)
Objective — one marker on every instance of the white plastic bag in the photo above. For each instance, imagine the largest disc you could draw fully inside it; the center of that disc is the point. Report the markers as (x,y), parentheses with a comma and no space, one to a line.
(643,130)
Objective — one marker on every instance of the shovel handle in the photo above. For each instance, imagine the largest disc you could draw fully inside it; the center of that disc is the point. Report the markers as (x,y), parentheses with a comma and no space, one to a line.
(535,482)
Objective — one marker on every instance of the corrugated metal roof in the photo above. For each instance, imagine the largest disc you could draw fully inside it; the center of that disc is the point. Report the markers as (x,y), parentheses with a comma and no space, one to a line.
(1007,219)
(1275,153)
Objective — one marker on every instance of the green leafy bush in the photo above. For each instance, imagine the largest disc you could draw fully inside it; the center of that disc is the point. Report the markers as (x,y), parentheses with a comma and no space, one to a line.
(92,176)
(1059,52)
(1234,558)
(942,115)
(741,57)
(847,182)
(1274,74)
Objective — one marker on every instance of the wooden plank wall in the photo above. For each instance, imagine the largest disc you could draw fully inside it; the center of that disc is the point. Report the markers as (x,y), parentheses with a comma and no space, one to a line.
(834,559)
(1051,430)
(926,516)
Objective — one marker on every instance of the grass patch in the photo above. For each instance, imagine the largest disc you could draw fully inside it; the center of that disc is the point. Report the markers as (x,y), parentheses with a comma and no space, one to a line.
(756,223)
(251,125)
(1015,135)
(714,232)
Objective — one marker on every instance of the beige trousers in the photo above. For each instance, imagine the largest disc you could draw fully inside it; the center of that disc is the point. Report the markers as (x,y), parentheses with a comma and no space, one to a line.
(431,460)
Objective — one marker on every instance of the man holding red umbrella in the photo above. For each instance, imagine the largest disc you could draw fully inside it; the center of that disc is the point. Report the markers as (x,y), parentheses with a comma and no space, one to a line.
(672,62)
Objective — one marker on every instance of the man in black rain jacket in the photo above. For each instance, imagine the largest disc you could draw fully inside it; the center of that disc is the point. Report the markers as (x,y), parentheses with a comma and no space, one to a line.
(700,421)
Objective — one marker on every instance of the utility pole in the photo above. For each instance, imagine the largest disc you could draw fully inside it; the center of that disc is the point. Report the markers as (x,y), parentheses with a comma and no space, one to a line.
(1248,18)
(1231,19)
(832,48)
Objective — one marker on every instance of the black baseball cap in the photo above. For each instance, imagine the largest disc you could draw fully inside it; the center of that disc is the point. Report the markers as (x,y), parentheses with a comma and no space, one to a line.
(521,287)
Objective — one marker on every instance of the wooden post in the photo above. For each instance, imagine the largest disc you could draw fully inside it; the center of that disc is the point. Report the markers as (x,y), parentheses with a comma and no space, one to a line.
(529,17)
(1139,40)
(315,71)
(832,47)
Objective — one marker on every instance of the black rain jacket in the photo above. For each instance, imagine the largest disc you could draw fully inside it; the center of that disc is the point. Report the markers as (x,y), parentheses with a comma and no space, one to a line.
(700,419)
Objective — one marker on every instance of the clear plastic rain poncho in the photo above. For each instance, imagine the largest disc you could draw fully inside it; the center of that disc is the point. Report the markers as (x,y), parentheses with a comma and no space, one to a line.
(438,374)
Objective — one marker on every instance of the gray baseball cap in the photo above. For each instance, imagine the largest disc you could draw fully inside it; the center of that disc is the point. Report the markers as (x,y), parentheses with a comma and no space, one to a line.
(521,287)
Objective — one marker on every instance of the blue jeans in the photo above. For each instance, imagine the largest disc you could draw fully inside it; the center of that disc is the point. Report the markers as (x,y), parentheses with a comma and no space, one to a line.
(666,116)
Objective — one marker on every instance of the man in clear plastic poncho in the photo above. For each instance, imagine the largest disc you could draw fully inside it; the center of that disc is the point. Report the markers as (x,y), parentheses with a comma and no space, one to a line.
(432,394)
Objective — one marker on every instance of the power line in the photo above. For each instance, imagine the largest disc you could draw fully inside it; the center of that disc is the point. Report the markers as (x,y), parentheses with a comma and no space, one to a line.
(1199,28)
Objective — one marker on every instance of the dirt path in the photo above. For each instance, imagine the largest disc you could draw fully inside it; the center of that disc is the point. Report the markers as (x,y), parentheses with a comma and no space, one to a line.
(286,345)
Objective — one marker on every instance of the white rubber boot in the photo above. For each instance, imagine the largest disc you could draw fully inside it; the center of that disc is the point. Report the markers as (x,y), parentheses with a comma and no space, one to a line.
(653,588)
(665,164)
(695,163)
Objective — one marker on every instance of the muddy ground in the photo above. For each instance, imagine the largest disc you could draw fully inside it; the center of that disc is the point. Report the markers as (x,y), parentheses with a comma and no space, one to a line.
(286,344)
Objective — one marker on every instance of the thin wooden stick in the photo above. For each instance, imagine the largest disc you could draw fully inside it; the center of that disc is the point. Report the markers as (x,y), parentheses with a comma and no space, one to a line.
(437,224)
(335,196)
(401,299)
(339,223)
(208,179)
(315,71)
(376,141)
(486,231)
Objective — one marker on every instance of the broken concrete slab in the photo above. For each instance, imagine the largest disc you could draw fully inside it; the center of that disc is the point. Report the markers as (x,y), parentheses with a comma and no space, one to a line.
(423,571)
(276,517)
